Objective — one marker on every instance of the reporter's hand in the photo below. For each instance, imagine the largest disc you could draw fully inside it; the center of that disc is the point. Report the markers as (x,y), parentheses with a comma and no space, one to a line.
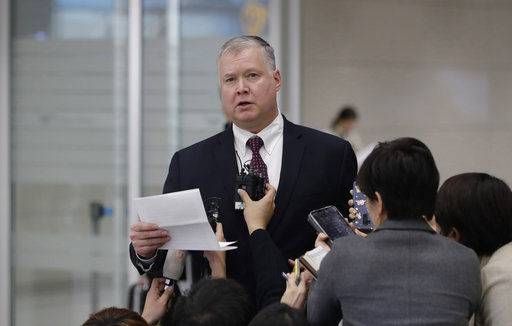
(257,214)
(147,238)
(352,213)
(307,275)
(320,241)
(217,259)
(158,301)
(295,295)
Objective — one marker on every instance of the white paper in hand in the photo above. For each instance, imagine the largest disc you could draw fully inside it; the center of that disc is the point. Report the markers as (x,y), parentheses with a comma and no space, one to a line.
(182,214)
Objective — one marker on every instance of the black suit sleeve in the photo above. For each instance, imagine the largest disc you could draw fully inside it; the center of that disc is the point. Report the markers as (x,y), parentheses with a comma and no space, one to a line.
(347,176)
(171,185)
(268,264)
(172,182)
(156,269)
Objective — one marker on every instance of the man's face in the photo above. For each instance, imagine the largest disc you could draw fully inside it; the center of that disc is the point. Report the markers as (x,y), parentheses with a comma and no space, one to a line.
(248,89)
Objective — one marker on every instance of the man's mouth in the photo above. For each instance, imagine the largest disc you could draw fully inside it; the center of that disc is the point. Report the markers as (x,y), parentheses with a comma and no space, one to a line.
(243,103)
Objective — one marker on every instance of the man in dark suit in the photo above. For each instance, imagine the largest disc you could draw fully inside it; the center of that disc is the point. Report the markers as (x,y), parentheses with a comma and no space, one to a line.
(309,169)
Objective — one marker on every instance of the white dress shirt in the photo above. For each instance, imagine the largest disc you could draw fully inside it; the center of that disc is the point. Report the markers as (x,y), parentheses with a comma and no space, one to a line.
(271,152)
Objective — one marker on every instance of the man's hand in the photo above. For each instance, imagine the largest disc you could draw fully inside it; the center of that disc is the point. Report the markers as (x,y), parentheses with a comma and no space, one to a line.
(147,238)
(158,301)
(295,295)
(217,259)
(257,214)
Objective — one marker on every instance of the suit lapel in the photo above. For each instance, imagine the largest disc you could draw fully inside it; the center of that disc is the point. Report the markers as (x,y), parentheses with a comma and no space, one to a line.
(224,157)
(293,150)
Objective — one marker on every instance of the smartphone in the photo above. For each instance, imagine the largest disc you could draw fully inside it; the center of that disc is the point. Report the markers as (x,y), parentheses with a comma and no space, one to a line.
(362,221)
(329,220)
(296,271)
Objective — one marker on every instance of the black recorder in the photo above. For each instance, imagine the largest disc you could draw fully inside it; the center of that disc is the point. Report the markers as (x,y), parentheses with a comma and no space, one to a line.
(211,206)
(253,184)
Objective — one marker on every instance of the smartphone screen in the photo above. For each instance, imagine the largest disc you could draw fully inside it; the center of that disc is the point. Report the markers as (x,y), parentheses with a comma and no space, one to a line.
(329,220)
(362,221)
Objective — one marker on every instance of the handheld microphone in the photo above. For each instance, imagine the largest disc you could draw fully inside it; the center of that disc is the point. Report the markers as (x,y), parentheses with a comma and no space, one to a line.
(173,266)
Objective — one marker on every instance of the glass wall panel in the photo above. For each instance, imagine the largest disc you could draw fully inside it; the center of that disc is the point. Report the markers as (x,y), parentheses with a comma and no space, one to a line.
(68,159)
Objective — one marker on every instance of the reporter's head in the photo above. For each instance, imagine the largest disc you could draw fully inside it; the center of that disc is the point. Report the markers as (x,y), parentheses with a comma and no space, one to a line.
(476,210)
(279,314)
(115,317)
(214,302)
(402,176)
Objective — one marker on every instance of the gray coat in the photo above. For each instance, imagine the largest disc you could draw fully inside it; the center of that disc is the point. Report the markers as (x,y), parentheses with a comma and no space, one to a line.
(401,274)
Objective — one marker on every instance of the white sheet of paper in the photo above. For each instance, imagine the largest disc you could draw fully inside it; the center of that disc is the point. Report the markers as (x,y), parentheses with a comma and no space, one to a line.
(182,214)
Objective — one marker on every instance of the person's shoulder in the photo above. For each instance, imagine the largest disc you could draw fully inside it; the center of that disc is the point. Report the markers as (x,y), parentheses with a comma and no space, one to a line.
(455,251)
(501,260)
(350,245)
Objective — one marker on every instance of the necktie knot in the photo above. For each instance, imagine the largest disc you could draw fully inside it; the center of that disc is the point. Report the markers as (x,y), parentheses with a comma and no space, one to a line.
(260,168)
(255,144)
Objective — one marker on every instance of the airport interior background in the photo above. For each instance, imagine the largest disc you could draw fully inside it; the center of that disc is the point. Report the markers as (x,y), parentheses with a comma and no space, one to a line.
(440,71)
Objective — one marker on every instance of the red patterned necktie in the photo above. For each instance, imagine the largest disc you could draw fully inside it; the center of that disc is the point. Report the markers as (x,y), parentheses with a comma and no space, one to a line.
(260,168)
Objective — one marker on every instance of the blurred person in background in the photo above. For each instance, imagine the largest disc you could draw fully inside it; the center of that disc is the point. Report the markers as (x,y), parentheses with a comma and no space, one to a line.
(475,209)
(344,125)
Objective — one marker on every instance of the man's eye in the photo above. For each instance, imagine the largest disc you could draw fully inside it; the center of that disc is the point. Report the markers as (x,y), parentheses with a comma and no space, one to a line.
(230,79)
(252,75)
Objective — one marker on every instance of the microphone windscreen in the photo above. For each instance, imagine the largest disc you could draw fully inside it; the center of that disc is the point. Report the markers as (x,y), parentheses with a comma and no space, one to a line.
(174,264)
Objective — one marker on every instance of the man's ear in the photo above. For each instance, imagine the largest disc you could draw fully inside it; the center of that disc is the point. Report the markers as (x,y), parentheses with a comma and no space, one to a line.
(277,79)
(381,211)
(433,224)
(381,208)
(454,234)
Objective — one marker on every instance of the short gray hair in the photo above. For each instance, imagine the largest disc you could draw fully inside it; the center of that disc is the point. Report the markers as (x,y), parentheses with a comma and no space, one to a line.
(239,43)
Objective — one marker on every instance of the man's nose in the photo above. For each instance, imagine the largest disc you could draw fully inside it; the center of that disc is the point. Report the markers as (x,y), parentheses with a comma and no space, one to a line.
(242,88)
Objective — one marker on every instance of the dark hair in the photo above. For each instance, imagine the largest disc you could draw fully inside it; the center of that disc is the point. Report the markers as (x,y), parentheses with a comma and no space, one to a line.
(346,113)
(404,173)
(214,302)
(279,314)
(115,317)
(479,206)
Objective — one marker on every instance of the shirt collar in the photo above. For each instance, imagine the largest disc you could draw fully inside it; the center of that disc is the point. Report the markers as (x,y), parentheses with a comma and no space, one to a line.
(270,136)
(409,224)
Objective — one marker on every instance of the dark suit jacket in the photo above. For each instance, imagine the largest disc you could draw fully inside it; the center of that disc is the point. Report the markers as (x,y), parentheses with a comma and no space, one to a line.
(317,170)
(401,274)
(268,264)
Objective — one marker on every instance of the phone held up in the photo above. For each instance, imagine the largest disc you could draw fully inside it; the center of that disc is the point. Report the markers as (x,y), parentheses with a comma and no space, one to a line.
(330,221)
(296,271)
(362,221)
